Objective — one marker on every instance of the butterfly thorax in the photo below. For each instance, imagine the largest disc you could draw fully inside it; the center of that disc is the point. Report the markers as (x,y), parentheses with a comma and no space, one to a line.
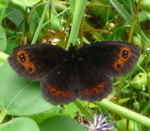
(71,55)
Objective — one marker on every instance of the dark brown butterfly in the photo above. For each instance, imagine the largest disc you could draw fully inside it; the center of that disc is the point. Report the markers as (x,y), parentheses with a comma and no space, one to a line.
(84,73)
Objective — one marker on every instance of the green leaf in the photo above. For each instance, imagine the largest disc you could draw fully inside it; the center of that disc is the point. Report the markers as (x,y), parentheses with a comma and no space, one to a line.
(72,5)
(118,32)
(121,10)
(11,44)
(26,2)
(71,110)
(20,124)
(61,123)
(19,96)
(15,15)
(3,57)
(144,16)
(4,3)
(34,19)
(55,24)
(3,40)
(45,115)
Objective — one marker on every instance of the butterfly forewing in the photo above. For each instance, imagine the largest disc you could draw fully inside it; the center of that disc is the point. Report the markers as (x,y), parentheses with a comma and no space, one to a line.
(113,58)
(35,61)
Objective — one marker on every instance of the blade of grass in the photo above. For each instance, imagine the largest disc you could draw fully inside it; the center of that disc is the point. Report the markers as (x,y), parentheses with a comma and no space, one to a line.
(121,10)
(40,25)
(77,18)
(127,17)
(72,5)
(3,114)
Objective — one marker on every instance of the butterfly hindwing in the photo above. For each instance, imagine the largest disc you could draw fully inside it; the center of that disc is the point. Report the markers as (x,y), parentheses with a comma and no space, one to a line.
(114,58)
(60,83)
(34,61)
(94,85)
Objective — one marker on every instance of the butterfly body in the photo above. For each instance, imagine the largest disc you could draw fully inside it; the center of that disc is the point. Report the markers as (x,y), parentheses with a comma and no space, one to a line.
(84,73)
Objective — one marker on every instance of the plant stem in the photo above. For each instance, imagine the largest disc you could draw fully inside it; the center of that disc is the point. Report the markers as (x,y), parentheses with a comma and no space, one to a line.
(124,112)
(118,93)
(82,109)
(135,18)
(40,23)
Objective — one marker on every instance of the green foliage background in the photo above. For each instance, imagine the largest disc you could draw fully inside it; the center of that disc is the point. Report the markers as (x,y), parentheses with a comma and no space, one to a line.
(74,21)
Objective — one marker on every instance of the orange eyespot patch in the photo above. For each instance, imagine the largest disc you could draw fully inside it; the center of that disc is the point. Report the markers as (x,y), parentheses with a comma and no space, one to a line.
(23,58)
(59,93)
(123,56)
(94,90)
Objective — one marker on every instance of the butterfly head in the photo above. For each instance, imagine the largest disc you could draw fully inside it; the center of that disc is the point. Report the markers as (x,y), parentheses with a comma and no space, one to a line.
(72,47)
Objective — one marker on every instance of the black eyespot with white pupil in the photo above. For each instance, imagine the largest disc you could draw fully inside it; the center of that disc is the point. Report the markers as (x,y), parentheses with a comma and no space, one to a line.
(125,54)
(22,57)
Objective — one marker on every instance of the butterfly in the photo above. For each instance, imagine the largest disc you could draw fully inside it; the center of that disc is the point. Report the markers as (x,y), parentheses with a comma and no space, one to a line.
(85,73)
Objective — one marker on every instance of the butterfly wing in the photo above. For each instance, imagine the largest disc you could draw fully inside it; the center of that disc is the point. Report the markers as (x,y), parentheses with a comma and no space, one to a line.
(113,58)
(98,63)
(46,63)
(59,86)
(93,84)
(34,61)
